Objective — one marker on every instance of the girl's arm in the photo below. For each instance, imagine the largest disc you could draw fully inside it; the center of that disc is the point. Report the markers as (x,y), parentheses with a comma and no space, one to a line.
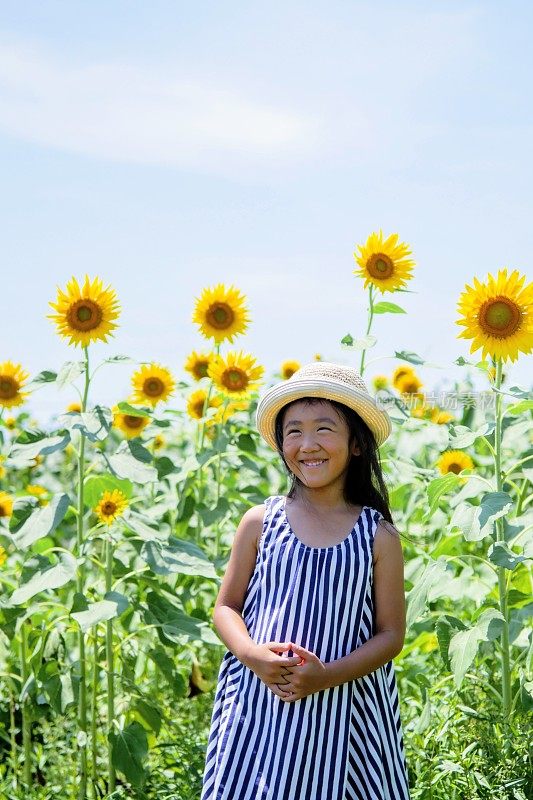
(389,607)
(227,613)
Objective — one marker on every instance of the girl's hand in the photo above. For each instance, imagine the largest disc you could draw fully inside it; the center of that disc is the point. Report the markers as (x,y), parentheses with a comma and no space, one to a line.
(264,660)
(305,678)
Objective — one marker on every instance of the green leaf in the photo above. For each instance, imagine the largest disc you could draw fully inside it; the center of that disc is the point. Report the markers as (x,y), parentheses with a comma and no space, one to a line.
(139,524)
(407,355)
(33,443)
(347,340)
(464,644)
(94,424)
(519,408)
(387,308)
(443,628)
(434,572)
(460,436)
(96,485)
(175,625)
(501,554)
(126,464)
(150,713)
(129,750)
(180,556)
(365,343)
(51,578)
(439,487)
(110,607)
(46,376)
(43,521)
(132,411)
(69,372)
(476,522)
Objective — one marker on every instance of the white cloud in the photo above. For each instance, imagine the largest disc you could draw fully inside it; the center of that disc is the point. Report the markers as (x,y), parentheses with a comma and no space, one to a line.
(137,114)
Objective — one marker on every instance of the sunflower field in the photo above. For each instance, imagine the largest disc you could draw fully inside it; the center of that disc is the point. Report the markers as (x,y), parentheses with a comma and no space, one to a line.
(116,525)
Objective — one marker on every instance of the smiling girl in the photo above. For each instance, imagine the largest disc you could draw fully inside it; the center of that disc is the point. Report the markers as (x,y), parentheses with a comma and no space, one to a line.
(312,611)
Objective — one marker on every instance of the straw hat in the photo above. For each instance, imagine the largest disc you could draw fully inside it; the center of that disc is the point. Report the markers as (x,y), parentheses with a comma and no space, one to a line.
(329,382)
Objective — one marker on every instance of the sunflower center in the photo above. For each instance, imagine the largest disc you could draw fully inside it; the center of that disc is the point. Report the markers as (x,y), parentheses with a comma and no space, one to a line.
(3,511)
(220,316)
(380,265)
(199,408)
(200,369)
(454,467)
(109,508)
(133,422)
(235,379)
(84,315)
(153,387)
(8,387)
(500,317)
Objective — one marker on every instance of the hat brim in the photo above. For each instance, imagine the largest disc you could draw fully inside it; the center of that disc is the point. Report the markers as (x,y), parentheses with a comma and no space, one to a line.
(281,394)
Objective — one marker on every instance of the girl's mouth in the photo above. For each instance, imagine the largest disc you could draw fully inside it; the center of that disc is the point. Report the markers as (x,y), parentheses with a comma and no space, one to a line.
(317,463)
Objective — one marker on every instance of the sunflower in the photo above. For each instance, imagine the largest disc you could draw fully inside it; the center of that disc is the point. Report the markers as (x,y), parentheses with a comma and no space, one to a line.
(498,315)
(440,416)
(288,368)
(152,384)
(86,314)
(3,556)
(317,357)
(38,491)
(236,375)
(111,505)
(220,312)
(454,461)
(6,505)
(223,414)
(3,471)
(196,402)
(198,363)
(158,442)
(12,379)
(409,384)
(400,372)
(384,263)
(130,424)
(419,407)
(10,422)
(380,382)
(75,406)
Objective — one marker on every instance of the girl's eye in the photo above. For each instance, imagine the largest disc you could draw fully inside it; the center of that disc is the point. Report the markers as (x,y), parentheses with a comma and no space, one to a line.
(289,432)
(324,429)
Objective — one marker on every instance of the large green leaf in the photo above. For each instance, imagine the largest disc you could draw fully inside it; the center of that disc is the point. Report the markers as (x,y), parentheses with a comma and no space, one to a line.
(141,525)
(43,521)
(33,443)
(434,572)
(129,462)
(460,436)
(110,607)
(51,578)
(476,522)
(464,644)
(439,487)
(501,554)
(95,424)
(387,308)
(174,625)
(129,750)
(69,372)
(179,555)
(444,628)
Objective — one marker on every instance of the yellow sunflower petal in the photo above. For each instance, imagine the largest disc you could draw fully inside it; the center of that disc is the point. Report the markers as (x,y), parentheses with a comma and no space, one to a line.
(236,375)
(498,315)
(12,380)
(454,461)
(6,505)
(384,263)
(288,368)
(220,313)
(197,364)
(130,424)
(152,384)
(112,505)
(85,314)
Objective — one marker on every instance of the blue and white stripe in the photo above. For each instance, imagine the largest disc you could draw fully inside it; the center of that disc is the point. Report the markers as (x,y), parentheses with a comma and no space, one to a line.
(343,743)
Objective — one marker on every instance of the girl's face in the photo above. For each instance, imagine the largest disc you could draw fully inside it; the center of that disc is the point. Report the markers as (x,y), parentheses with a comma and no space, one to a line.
(315,443)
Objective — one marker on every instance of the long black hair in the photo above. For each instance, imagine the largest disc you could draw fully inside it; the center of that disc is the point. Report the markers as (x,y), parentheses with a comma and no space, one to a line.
(364,483)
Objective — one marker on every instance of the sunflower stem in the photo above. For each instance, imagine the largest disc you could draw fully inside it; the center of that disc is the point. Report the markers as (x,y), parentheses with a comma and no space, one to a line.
(82,702)
(502,583)
(94,711)
(370,318)
(110,669)
(26,724)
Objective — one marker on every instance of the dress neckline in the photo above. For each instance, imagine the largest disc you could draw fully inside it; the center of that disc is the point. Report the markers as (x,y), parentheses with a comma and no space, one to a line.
(329,547)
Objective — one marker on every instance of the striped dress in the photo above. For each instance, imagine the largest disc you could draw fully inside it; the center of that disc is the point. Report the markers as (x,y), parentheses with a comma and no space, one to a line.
(342,743)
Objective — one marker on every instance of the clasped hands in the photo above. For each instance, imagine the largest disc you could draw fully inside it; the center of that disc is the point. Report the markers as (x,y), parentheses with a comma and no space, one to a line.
(290,678)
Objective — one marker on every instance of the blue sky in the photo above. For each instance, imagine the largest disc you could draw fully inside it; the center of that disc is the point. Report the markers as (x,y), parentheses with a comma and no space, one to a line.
(170,146)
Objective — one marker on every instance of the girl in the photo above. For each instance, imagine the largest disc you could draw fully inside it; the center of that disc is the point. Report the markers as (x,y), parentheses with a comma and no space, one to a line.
(312,611)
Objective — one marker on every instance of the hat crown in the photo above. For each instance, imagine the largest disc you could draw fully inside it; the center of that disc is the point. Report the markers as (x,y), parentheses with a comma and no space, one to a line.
(324,370)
